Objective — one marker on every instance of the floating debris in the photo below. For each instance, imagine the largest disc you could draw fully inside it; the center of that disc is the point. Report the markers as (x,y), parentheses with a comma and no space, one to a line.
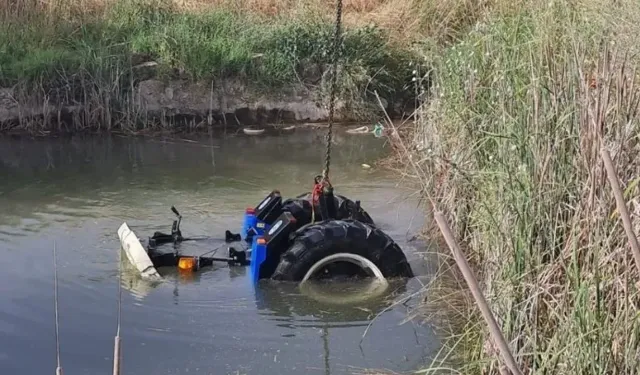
(360,130)
(252,131)
(378,130)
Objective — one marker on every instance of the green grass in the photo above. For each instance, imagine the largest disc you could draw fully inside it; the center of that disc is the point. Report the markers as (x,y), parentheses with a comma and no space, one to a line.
(509,143)
(72,57)
(213,44)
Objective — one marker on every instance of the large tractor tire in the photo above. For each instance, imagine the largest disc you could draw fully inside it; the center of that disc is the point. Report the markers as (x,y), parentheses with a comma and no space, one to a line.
(318,241)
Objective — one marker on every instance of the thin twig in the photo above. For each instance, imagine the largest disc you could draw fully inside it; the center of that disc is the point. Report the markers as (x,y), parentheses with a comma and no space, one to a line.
(494,330)
(398,302)
(622,207)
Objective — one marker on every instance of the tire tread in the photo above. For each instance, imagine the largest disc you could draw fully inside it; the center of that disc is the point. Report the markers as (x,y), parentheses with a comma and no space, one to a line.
(316,241)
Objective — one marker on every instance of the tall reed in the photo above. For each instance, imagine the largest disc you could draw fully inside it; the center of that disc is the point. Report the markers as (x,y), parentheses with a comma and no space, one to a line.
(508,144)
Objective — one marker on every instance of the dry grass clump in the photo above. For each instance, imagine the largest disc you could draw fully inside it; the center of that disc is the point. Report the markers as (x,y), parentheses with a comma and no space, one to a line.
(407,21)
(508,145)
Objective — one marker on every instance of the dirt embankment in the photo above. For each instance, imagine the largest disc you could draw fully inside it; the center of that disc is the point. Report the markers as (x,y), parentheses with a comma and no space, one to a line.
(154,101)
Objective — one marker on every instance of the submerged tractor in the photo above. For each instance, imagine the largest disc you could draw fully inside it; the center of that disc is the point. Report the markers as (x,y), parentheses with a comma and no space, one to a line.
(314,235)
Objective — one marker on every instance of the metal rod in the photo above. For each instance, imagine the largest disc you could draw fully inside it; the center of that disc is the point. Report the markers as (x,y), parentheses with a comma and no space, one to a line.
(55,301)
(116,345)
(622,206)
(116,356)
(325,344)
(494,330)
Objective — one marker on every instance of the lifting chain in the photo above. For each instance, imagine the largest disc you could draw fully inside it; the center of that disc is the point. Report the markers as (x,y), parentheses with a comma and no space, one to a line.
(321,183)
(334,83)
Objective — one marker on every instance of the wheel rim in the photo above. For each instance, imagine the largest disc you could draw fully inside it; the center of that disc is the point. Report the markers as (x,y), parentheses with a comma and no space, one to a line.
(374,290)
(365,264)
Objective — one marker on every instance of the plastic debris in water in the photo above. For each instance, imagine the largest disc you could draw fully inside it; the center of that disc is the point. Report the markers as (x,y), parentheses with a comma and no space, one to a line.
(377,130)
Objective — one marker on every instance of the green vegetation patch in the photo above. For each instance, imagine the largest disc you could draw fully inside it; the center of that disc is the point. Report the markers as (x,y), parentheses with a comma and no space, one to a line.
(209,45)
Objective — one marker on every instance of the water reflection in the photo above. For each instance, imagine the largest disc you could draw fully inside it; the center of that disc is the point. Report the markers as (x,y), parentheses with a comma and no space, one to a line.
(298,317)
(336,301)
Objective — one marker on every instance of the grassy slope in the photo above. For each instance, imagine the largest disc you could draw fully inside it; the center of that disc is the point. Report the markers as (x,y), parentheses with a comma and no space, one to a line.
(88,51)
(206,44)
(509,148)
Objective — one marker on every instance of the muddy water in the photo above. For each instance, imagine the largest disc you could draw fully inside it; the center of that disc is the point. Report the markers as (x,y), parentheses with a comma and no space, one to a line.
(77,191)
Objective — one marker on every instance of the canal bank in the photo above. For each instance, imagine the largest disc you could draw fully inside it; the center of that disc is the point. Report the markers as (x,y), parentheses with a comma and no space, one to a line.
(155,64)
